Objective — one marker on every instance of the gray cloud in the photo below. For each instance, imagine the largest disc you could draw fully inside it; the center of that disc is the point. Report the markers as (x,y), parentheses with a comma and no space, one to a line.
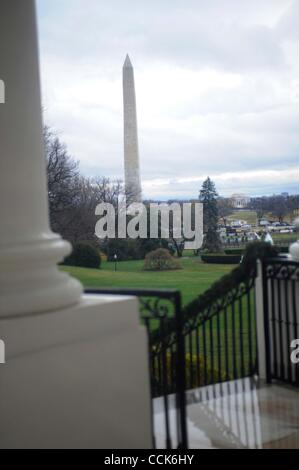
(217,87)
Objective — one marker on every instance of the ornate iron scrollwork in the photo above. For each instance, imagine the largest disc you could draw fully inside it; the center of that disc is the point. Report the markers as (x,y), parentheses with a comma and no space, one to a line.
(283,269)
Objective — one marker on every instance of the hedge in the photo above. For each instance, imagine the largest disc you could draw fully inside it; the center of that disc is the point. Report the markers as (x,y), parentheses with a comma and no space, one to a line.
(241,251)
(84,255)
(221,259)
(197,373)
(284,249)
(234,251)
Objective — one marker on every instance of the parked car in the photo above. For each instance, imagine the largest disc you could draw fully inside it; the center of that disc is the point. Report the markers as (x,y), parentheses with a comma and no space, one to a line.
(264,223)
(276,224)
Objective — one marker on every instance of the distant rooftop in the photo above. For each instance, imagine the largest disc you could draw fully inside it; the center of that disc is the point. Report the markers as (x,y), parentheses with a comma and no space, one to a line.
(240,195)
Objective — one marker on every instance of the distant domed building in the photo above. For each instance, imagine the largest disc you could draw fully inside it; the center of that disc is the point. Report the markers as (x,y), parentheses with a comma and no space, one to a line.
(240,201)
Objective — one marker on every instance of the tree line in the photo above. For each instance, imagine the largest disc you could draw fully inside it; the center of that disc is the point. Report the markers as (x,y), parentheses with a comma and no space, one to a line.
(278,206)
(74,197)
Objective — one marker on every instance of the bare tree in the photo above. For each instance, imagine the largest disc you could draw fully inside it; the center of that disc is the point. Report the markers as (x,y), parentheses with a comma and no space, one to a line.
(224,209)
(106,190)
(63,176)
(279,207)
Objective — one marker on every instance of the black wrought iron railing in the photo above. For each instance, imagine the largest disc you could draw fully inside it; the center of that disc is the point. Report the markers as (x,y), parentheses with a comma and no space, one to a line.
(281,317)
(219,327)
(193,347)
(220,338)
(219,335)
(159,309)
(214,339)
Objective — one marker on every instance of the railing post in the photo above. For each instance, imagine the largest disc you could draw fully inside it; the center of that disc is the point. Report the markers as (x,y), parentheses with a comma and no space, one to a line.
(262,323)
(180,374)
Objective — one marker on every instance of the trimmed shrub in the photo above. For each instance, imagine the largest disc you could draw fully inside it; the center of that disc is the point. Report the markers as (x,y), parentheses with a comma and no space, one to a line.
(84,255)
(196,374)
(160,260)
(283,249)
(234,251)
(221,259)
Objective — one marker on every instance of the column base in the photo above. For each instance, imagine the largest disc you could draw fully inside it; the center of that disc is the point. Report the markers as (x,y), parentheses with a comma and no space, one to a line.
(30,281)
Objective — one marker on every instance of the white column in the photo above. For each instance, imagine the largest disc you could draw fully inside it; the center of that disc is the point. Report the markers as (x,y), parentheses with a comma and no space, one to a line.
(76,373)
(30,281)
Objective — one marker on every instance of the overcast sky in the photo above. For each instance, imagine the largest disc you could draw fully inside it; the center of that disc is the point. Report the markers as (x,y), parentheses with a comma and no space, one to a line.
(217,85)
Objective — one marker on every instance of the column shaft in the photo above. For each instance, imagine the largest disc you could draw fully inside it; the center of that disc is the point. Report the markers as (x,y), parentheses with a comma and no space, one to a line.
(29,279)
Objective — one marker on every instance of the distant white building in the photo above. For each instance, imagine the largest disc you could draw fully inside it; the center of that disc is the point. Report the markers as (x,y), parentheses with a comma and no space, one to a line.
(240,201)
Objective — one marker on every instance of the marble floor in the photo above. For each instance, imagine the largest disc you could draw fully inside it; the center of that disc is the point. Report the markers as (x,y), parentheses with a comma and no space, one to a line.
(243,414)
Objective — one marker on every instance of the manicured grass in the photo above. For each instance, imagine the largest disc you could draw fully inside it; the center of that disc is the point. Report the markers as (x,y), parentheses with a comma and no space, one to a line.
(192,280)
(249,216)
(285,237)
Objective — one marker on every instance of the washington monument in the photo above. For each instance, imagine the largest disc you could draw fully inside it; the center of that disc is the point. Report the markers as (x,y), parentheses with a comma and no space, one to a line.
(131,152)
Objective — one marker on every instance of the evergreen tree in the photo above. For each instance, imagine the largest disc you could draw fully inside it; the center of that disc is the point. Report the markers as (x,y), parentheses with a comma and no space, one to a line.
(208,197)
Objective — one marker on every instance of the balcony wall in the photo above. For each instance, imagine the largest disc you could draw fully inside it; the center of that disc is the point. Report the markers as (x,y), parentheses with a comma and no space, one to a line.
(76,378)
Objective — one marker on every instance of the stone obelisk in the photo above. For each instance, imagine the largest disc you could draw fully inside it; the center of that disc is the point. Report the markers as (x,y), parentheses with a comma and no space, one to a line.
(131,151)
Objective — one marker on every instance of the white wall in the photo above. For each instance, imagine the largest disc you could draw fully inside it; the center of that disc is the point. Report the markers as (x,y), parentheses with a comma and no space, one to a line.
(76,378)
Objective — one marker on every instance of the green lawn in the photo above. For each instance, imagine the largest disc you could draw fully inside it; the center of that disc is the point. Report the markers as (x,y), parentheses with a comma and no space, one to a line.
(249,216)
(285,237)
(192,280)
